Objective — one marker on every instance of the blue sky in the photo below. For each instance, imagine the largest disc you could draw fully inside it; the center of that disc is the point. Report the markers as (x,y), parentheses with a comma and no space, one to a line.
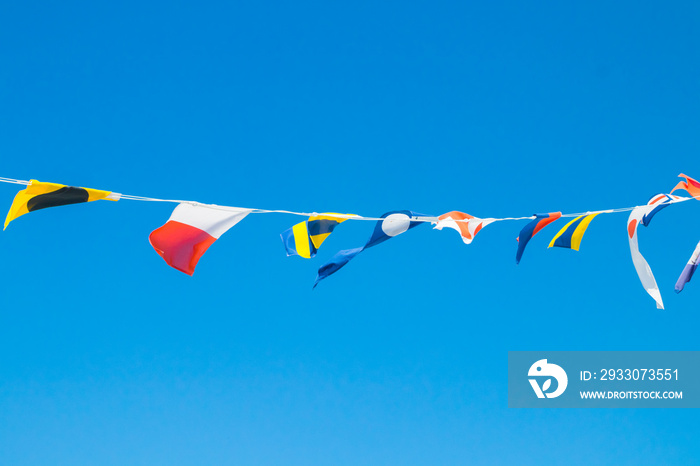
(108,356)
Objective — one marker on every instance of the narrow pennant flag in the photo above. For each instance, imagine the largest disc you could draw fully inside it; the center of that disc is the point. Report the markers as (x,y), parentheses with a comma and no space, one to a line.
(640,264)
(531,229)
(689,270)
(392,224)
(189,232)
(466,225)
(40,195)
(304,238)
(690,185)
(571,235)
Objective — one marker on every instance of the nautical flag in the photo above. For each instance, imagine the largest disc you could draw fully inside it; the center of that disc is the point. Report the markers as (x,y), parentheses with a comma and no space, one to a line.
(189,232)
(690,185)
(304,238)
(40,195)
(660,202)
(570,236)
(689,270)
(466,225)
(392,224)
(531,229)
(644,272)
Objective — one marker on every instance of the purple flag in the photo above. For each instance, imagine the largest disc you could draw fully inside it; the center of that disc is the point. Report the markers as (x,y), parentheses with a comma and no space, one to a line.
(689,270)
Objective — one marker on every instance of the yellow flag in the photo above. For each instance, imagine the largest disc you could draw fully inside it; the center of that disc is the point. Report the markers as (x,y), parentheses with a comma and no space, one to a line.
(40,195)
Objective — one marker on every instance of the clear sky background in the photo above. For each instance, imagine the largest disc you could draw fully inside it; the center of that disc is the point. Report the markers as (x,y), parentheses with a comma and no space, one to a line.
(110,357)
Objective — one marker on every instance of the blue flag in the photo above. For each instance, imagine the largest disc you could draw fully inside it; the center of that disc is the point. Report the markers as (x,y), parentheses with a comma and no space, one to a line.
(392,224)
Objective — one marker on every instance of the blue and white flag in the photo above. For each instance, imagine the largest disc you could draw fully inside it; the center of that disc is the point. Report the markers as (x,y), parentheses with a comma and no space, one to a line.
(392,224)
(660,202)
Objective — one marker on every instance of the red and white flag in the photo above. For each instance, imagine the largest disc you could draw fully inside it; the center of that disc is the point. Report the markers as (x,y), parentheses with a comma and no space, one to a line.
(189,232)
(640,264)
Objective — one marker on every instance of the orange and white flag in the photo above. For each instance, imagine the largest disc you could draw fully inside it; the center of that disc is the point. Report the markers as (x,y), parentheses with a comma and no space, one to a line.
(466,225)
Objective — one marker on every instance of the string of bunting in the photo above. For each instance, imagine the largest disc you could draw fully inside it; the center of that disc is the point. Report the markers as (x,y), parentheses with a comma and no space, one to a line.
(193,227)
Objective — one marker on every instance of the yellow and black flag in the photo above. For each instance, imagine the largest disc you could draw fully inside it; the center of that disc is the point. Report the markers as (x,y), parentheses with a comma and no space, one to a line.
(40,195)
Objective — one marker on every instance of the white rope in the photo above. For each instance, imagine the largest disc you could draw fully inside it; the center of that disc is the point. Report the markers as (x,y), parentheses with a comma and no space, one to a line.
(128,197)
(426,219)
(10,180)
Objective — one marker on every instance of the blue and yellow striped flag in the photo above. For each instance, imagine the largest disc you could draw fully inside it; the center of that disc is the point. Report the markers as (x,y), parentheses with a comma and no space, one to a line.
(304,238)
(570,236)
